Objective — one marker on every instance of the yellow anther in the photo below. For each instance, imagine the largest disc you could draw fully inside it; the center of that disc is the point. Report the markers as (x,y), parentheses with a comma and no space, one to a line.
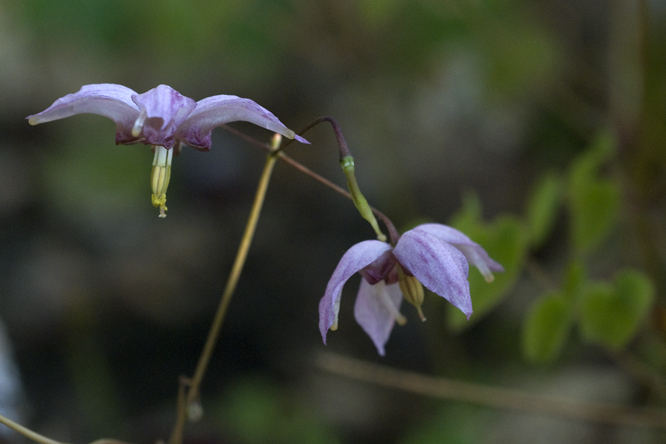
(160,175)
(412,290)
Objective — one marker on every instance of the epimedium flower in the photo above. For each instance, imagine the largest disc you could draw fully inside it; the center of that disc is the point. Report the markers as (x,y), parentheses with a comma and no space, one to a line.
(434,255)
(163,118)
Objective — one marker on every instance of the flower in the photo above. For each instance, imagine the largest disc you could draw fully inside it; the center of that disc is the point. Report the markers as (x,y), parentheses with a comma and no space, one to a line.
(432,254)
(161,117)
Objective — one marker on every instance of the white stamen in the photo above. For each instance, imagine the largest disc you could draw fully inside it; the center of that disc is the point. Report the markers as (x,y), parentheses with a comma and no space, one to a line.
(336,310)
(138,123)
(159,178)
(384,298)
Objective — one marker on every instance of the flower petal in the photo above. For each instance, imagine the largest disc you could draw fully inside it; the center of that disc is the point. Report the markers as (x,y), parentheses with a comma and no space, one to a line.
(372,312)
(436,264)
(164,110)
(474,252)
(357,257)
(379,269)
(104,99)
(214,111)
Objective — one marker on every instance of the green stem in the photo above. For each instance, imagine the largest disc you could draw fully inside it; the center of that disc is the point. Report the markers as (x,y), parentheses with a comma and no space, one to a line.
(393,232)
(202,365)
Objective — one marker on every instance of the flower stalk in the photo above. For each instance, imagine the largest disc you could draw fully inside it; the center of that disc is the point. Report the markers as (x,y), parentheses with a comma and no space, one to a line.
(192,397)
(360,202)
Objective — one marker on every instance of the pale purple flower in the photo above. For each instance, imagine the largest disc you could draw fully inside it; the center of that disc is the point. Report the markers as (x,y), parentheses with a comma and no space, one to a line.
(161,117)
(437,255)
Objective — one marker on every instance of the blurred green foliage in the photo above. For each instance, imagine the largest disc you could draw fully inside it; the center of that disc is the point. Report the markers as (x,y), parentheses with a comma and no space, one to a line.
(505,241)
(255,411)
(611,314)
(450,424)
(542,208)
(593,200)
(546,328)
(608,313)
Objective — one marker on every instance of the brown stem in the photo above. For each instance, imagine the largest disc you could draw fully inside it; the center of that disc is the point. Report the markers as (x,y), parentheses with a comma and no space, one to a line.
(393,232)
(502,398)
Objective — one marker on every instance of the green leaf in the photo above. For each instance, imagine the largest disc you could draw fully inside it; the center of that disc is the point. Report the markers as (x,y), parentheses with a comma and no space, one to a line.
(505,241)
(546,328)
(611,314)
(575,280)
(542,208)
(593,201)
(594,210)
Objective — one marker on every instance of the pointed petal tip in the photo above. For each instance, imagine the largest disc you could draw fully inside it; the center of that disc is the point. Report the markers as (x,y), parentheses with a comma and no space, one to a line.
(301,139)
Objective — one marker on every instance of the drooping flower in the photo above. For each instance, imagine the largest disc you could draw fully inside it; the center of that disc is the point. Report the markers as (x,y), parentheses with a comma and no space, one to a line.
(163,118)
(435,255)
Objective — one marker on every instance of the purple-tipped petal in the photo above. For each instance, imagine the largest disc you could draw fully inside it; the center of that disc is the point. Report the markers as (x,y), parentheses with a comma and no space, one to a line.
(356,258)
(301,139)
(375,310)
(104,99)
(436,264)
(214,111)
(474,253)
(164,110)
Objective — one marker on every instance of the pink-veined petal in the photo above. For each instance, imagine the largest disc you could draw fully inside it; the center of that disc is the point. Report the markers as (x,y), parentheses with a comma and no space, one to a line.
(163,110)
(375,310)
(104,99)
(214,111)
(357,257)
(438,265)
(474,252)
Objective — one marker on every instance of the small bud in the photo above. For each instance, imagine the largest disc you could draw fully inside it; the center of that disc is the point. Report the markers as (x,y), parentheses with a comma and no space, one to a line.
(412,290)
(160,175)
(194,411)
(276,140)
(360,202)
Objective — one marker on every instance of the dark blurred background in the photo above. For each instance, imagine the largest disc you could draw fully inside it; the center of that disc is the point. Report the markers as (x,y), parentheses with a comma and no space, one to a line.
(105,305)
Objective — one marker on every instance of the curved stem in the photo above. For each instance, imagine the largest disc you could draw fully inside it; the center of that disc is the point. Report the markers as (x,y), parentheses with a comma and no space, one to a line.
(211,340)
(343,148)
(27,432)
(393,232)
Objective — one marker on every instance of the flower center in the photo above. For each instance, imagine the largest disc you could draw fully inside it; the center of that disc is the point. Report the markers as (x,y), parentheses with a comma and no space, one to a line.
(159,178)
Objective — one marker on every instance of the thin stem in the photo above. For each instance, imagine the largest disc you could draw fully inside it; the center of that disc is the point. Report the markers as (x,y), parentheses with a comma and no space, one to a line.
(393,232)
(211,340)
(491,396)
(27,432)
(343,148)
